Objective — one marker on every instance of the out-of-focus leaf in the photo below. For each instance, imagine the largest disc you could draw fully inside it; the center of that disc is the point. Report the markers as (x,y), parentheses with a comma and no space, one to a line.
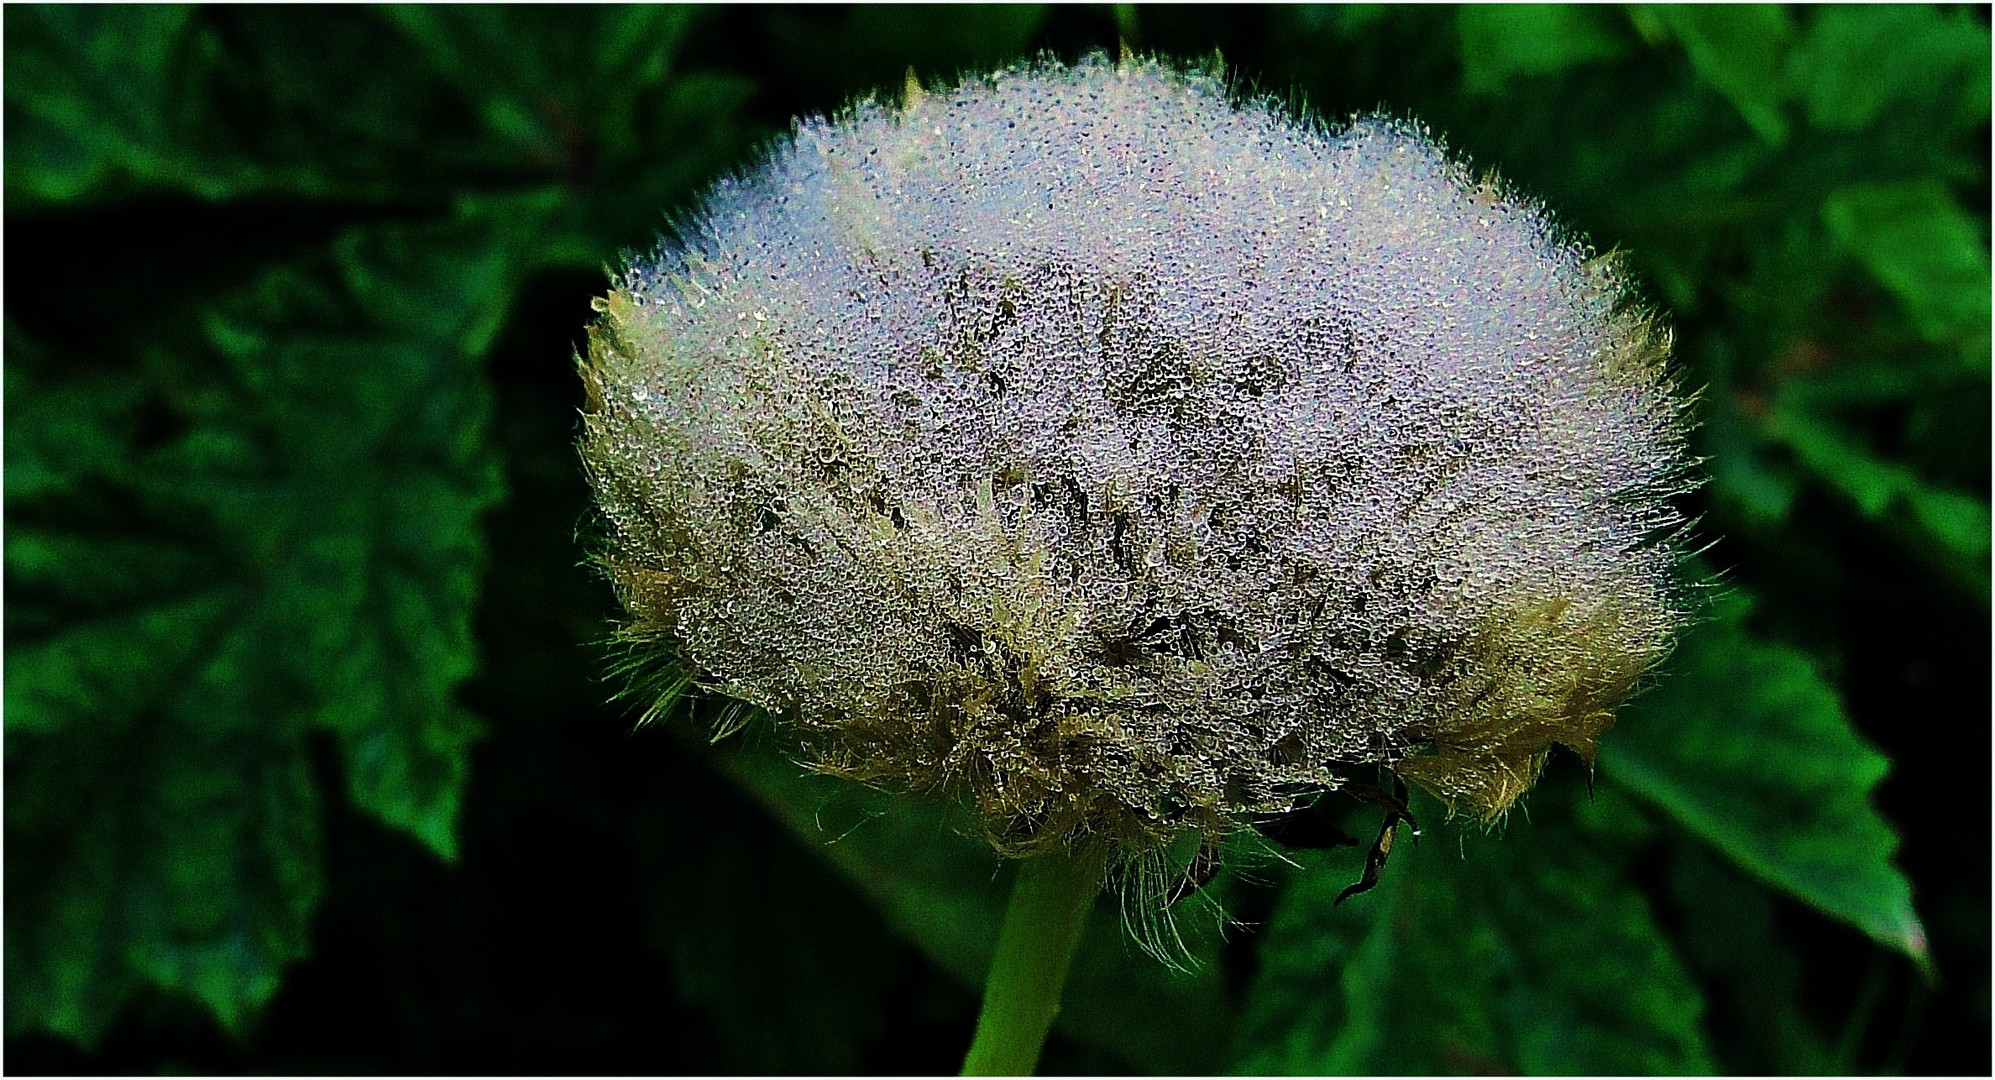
(1949,528)
(1848,79)
(1961,522)
(1926,250)
(366,511)
(274,532)
(789,963)
(1731,935)
(229,103)
(89,95)
(150,851)
(1745,745)
(1738,48)
(1869,381)
(61,433)
(626,206)
(107,101)
(598,110)
(287,93)
(1526,953)
(1873,485)
(1616,817)
(590,71)
(1742,471)
(1501,42)
(943,892)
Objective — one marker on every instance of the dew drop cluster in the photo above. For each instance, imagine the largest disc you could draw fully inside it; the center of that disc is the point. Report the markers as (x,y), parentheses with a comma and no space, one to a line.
(1128,459)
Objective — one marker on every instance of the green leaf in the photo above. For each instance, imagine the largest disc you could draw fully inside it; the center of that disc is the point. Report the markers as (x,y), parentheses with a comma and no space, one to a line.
(1742,472)
(364,505)
(63,433)
(1873,485)
(284,94)
(1926,250)
(1501,42)
(596,110)
(1525,953)
(107,101)
(1732,935)
(587,70)
(229,103)
(1746,746)
(941,891)
(89,95)
(1949,528)
(157,852)
(271,530)
(1961,522)
(790,964)
(1935,58)
(1739,49)
(637,193)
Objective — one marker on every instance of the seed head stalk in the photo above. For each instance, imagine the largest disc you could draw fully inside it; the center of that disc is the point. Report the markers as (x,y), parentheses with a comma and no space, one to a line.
(1042,926)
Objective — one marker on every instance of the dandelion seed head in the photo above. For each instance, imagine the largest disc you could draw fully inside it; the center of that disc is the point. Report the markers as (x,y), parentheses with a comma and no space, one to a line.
(1127,459)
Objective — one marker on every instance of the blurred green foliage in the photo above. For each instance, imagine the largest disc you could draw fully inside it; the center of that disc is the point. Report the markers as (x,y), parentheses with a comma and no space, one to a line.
(308,763)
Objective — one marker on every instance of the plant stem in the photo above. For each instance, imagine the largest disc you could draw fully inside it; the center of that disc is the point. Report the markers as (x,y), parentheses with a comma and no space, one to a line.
(1049,906)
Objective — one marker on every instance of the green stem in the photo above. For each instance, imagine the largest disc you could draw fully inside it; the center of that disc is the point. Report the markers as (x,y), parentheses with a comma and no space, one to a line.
(1049,906)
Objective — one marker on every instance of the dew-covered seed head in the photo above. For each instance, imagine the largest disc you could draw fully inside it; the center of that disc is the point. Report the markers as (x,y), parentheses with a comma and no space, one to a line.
(1128,460)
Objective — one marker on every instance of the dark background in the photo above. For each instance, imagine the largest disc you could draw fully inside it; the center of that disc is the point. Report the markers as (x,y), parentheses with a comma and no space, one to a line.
(1805,191)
